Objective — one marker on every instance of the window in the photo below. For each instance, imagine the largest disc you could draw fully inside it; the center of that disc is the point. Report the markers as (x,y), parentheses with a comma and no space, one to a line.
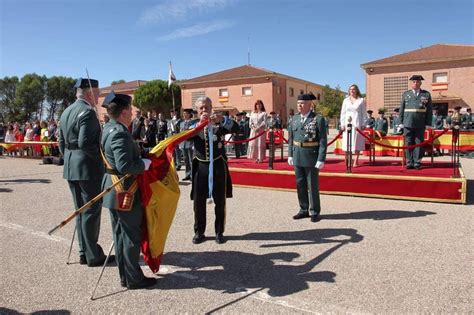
(440,77)
(195,96)
(223,93)
(318,97)
(393,88)
(292,92)
(301,91)
(247,90)
(278,89)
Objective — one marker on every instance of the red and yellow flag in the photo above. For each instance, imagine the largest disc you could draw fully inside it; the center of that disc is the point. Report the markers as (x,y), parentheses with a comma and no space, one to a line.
(159,187)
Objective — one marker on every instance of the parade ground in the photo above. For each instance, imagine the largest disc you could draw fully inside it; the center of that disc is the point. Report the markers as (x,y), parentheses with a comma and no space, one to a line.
(365,256)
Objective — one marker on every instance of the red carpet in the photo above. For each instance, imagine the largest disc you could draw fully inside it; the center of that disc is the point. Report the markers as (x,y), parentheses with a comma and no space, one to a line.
(385,179)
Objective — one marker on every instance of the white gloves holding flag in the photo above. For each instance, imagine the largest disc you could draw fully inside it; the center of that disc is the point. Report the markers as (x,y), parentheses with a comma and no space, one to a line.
(319,165)
(147,163)
(290,160)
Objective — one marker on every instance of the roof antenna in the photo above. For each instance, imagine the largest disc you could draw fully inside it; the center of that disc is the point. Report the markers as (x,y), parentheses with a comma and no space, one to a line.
(248,50)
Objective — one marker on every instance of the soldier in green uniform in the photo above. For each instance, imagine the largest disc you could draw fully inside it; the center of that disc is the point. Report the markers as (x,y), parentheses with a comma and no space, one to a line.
(370,121)
(415,115)
(381,124)
(79,138)
(307,145)
(467,120)
(122,156)
(437,121)
(396,122)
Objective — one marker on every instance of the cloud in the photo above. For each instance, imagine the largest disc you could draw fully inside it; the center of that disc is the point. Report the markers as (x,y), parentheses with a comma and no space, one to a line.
(196,30)
(179,9)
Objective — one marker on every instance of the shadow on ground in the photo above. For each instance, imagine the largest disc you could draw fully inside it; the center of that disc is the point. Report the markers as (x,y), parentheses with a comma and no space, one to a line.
(470,192)
(25,180)
(281,273)
(377,215)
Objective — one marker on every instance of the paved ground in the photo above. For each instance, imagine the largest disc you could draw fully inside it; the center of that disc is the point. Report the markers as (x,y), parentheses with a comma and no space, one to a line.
(365,256)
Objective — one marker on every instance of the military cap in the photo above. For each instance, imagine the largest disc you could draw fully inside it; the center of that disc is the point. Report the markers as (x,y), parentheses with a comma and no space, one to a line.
(188,110)
(457,107)
(121,99)
(370,111)
(381,112)
(84,83)
(240,114)
(396,110)
(306,97)
(416,77)
(468,109)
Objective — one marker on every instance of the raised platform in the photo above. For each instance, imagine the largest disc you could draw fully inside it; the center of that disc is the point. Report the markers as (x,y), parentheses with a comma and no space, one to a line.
(386,179)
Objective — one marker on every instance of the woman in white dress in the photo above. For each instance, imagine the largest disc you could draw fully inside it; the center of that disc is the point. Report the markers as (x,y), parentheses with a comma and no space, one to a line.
(257,147)
(354,107)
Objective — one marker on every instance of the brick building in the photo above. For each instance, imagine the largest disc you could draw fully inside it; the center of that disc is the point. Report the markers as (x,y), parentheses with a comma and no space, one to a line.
(448,71)
(237,89)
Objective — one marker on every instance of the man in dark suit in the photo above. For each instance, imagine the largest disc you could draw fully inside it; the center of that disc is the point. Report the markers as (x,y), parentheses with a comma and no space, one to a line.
(222,184)
(307,145)
(122,156)
(415,114)
(149,140)
(79,140)
(186,146)
(161,128)
(239,135)
(137,126)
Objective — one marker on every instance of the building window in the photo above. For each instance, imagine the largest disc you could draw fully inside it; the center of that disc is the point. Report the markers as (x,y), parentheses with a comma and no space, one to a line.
(291,92)
(318,97)
(247,90)
(278,89)
(195,96)
(440,77)
(393,88)
(223,93)
(301,91)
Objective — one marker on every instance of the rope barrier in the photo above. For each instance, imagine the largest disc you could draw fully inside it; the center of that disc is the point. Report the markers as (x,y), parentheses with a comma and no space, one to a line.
(335,138)
(372,141)
(245,140)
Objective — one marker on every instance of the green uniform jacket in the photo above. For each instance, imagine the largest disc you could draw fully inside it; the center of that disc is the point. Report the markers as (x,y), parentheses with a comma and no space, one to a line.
(381,124)
(307,156)
(79,139)
(123,155)
(416,111)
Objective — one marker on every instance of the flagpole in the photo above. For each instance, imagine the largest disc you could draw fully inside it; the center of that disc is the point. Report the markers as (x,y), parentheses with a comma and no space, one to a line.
(172,92)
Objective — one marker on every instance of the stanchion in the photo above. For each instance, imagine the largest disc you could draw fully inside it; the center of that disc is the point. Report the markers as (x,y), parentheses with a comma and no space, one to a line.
(271,145)
(455,146)
(349,146)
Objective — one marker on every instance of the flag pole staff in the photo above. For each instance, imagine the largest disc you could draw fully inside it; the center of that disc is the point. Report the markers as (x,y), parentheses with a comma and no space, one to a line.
(172,92)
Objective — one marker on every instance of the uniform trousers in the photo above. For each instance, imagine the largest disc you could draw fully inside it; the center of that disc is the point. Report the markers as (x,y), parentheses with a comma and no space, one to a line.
(127,237)
(201,193)
(414,136)
(188,160)
(307,187)
(88,222)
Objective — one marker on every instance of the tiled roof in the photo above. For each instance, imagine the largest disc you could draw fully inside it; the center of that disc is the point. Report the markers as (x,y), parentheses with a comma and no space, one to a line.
(241,72)
(438,52)
(132,85)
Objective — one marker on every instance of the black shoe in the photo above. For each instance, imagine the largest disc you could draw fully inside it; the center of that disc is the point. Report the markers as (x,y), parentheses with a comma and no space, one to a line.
(220,239)
(178,168)
(300,216)
(198,238)
(417,166)
(123,283)
(408,167)
(315,218)
(101,262)
(82,260)
(187,178)
(145,283)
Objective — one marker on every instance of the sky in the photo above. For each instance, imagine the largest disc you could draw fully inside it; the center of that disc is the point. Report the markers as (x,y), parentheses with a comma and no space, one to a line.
(321,41)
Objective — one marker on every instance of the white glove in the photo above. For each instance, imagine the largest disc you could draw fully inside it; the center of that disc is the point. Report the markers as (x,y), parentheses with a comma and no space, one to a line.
(147,163)
(290,160)
(319,165)
(401,126)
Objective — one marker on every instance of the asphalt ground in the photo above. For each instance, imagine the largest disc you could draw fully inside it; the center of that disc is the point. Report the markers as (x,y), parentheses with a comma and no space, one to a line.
(365,256)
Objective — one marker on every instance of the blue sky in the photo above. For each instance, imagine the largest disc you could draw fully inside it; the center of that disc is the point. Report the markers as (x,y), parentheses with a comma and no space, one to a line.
(321,41)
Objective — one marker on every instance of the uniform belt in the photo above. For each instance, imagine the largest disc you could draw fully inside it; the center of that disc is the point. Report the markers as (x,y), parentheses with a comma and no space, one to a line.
(111,171)
(207,161)
(72,146)
(306,144)
(413,110)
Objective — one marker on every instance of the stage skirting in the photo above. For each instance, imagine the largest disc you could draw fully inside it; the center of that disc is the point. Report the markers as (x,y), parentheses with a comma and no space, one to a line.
(466,143)
(386,179)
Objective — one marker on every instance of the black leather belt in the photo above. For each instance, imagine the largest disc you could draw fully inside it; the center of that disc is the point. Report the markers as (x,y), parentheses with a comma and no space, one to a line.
(72,146)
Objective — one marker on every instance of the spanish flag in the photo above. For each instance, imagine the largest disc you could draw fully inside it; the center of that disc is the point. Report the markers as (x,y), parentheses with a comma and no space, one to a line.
(159,187)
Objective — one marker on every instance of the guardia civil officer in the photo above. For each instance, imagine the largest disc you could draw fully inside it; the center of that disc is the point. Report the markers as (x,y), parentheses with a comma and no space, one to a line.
(307,145)
(222,184)
(121,156)
(186,146)
(381,124)
(437,121)
(79,140)
(467,120)
(396,122)
(370,121)
(415,114)
(240,135)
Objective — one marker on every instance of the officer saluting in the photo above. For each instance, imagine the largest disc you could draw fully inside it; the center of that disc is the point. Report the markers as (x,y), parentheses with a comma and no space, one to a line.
(79,138)
(307,144)
(415,114)
(121,156)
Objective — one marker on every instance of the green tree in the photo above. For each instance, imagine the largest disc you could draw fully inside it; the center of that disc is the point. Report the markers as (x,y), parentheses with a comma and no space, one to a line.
(117,82)
(331,103)
(59,94)
(8,86)
(155,96)
(30,94)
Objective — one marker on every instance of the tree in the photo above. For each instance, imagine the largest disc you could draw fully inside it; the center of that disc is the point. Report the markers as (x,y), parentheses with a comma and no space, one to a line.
(30,94)
(59,94)
(330,106)
(155,96)
(117,82)
(8,86)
